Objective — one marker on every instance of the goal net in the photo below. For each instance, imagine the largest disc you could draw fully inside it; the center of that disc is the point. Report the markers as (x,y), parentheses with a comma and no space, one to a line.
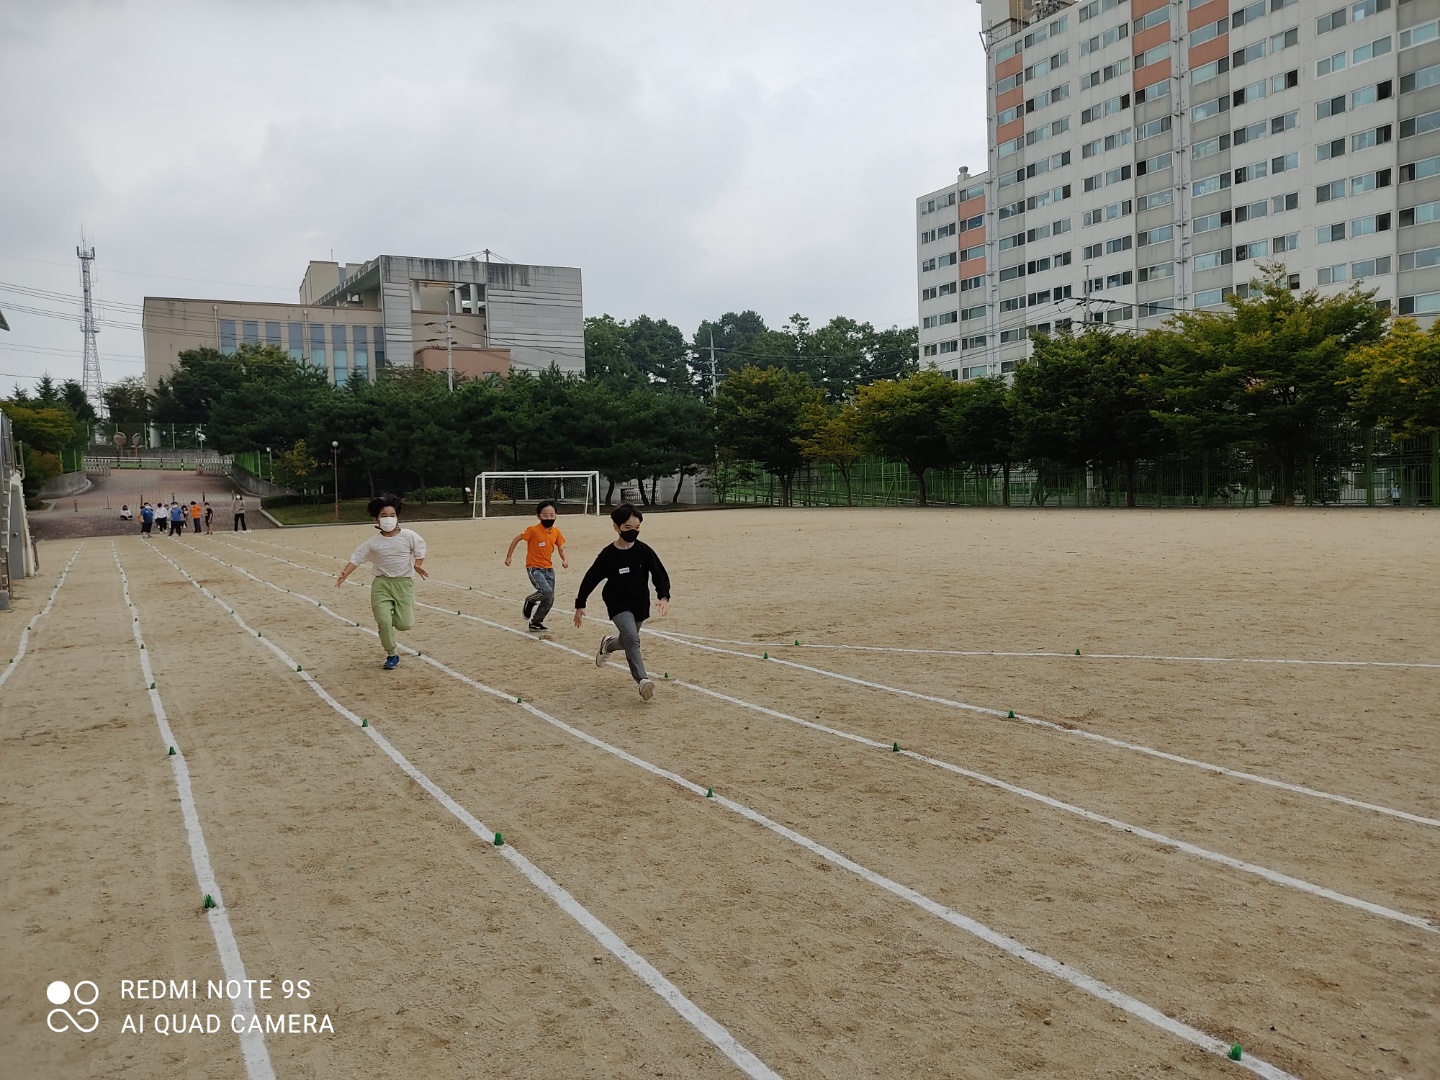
(507,493)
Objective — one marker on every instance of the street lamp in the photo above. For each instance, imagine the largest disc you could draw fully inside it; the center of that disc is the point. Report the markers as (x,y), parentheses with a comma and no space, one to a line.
(272,463)
(335,462)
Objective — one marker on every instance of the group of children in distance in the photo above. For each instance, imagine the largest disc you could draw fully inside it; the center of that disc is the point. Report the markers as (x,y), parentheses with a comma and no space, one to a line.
(176,514)
(626,566)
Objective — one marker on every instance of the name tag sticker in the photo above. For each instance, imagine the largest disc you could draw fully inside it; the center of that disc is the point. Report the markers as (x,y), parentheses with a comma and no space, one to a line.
(542,543)
(624,570)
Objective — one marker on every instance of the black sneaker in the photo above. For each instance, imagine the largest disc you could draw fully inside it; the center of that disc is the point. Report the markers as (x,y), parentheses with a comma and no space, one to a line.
(528,607)
(538,628)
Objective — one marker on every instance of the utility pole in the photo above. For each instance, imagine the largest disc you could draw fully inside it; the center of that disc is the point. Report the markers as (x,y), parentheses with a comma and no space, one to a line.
(712,365)
(449,350)
(90,380)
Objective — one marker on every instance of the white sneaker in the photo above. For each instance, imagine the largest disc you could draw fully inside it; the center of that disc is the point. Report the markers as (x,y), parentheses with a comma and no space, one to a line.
(604,650)
(647,689)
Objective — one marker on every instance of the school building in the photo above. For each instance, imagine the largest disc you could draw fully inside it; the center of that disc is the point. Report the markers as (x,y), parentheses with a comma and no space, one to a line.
(1148,156)
(354,319)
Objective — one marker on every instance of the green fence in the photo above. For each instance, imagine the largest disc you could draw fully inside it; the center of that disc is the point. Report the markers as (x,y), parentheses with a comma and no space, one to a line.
(1353,467)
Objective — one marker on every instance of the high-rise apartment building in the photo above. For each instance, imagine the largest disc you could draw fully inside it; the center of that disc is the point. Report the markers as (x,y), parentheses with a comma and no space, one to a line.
(1146,157)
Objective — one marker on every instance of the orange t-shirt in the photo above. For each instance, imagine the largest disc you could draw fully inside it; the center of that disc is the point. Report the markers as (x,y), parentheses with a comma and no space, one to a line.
(194,511)
(540,542)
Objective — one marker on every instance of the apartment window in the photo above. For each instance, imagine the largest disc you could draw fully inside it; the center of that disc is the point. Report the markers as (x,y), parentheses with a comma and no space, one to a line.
(1368,95)
(1015,303)
(362,351)
(1213,297)
(317,345)
(948,259)
(250,332)
(1011,146)
(1209,147)
(1419,125)
(1210,222)
(1363,140)
(1365,8)
(1285,39)
(1250,133)
(1248,55)
(1115,176)
(1006,116)
(951,346)
(1094,251)
(1333,190)
(1153,200)
(928,350)
(1418,35)
(377,338)
(1152,56)
(978,312)
(1330,64)
(930,322)
(1153,92)
(1285,162)
(1281,204)
(1419,80)
(1419,215)
(1120,243)
(1157,235)
(1367,225)
(1158,163)
(1330,234)
(1210,184)
(1154,18)
(928,264)
(970,283)
(1378,47)
(1210,260)
(927,294)
(1370,267)
(974,223)
(1420,304)
(1419,170)
(1252,211)
(1154,127)
(1207,109)
(272,334)
(1008,242)
(1246,173)
(1060,226)
(1288,242)
(1332,107)
(1420,260)
(1035,299)
(1333,21)
(1209,31)
(1205,72)
(1248,14)
(948,317)
(1118,210)
(976,252)
(1285,81)
(1332,149)
(1380,178)
(1156,272)
(1253,92)
(1257,249)
(1008,336)
(296,335)
(1284,122)
(341,354)
(946,230)
(1330,275)
(227,336)
(1010,82)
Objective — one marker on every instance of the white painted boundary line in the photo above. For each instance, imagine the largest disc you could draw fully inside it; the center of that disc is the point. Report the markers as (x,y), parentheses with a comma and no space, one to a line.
(1020,654)
(646,972)
(9,668)
(1274,876)
(252,1041)
(1038,960)
(1079,733)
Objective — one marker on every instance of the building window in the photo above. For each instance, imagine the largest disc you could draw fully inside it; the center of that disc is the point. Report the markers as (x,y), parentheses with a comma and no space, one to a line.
(362,352)
(378,339)
(1331,275)
(1419,125)
(1288,242)
(272,334)
(250,332)
(1418,35)
(1419,80)
(317,345)
(1422,304)
(1419,215)
(1420,260)
(1212,297)
(341,357)
(1370,267)
(227,336)
(296,334)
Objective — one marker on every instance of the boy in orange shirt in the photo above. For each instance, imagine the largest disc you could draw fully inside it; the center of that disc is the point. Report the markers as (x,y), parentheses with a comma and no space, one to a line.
(541,542)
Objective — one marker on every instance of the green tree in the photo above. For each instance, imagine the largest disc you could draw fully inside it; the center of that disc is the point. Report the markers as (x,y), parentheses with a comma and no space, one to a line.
(73,394)
(1396,381)
(735,338)
(902,418)
(980,428)
(1278,360)
(295,465)
(128,402)
(758,413)
(830,435)
(46,429)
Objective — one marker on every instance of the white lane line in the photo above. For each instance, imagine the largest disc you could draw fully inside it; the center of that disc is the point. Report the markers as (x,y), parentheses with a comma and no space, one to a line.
(1079,733)
(1034,958)
(9,668)
(1034,721)
(646,972)
(252,1040)
(1275,876)
(1021,654)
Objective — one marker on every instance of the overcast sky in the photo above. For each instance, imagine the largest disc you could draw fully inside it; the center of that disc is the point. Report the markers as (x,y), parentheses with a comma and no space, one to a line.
(692,158)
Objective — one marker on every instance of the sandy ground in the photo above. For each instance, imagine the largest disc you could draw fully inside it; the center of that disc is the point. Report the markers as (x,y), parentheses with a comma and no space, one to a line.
(433,957)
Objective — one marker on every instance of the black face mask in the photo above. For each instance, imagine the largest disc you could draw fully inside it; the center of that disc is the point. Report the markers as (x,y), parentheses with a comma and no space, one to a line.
(629,535)
(550,524)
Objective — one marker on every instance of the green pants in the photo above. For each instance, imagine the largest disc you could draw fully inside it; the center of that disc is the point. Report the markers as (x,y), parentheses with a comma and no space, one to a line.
(392,599)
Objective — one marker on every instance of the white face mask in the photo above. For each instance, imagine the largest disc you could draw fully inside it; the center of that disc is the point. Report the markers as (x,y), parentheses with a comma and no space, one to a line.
(387,524)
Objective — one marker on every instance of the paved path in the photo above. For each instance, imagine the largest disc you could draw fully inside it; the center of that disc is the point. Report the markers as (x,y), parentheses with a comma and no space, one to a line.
(97,511)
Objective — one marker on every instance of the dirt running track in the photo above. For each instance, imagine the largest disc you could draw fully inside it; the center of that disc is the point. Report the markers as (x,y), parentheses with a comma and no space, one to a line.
(1258,907)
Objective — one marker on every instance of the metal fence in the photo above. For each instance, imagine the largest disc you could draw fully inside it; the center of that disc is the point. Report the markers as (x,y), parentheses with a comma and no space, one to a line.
(1353,467)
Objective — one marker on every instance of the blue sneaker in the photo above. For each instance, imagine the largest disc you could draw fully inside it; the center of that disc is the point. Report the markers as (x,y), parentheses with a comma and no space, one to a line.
(391,663)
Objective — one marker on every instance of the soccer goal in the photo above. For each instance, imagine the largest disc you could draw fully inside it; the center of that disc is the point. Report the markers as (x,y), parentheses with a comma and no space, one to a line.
(506,493)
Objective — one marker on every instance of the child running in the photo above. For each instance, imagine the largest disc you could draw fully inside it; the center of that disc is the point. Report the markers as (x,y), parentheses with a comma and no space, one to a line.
(626,567)
(392,593)
(541,543)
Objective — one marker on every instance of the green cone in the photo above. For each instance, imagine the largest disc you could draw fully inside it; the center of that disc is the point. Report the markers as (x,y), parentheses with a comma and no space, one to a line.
(518,701)
(209,902)
(1011,716)
(1077,652)
(364,722)
(171,753)
(297,667)
(767,656)
(895,748)
(152,686)
(797,641)
(709,793)
(1237,1052)
(499,840)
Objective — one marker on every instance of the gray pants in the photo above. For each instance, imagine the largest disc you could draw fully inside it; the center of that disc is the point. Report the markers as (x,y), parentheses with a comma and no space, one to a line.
(629,640)
(544,594)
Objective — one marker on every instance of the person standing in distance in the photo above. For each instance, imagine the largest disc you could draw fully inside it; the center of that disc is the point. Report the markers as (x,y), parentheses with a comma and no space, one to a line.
(626,567)
(542,541)
(394,553)
(239,524)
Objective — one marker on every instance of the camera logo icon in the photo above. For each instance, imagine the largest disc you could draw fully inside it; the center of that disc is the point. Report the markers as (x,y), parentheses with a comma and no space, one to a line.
(83,1020)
